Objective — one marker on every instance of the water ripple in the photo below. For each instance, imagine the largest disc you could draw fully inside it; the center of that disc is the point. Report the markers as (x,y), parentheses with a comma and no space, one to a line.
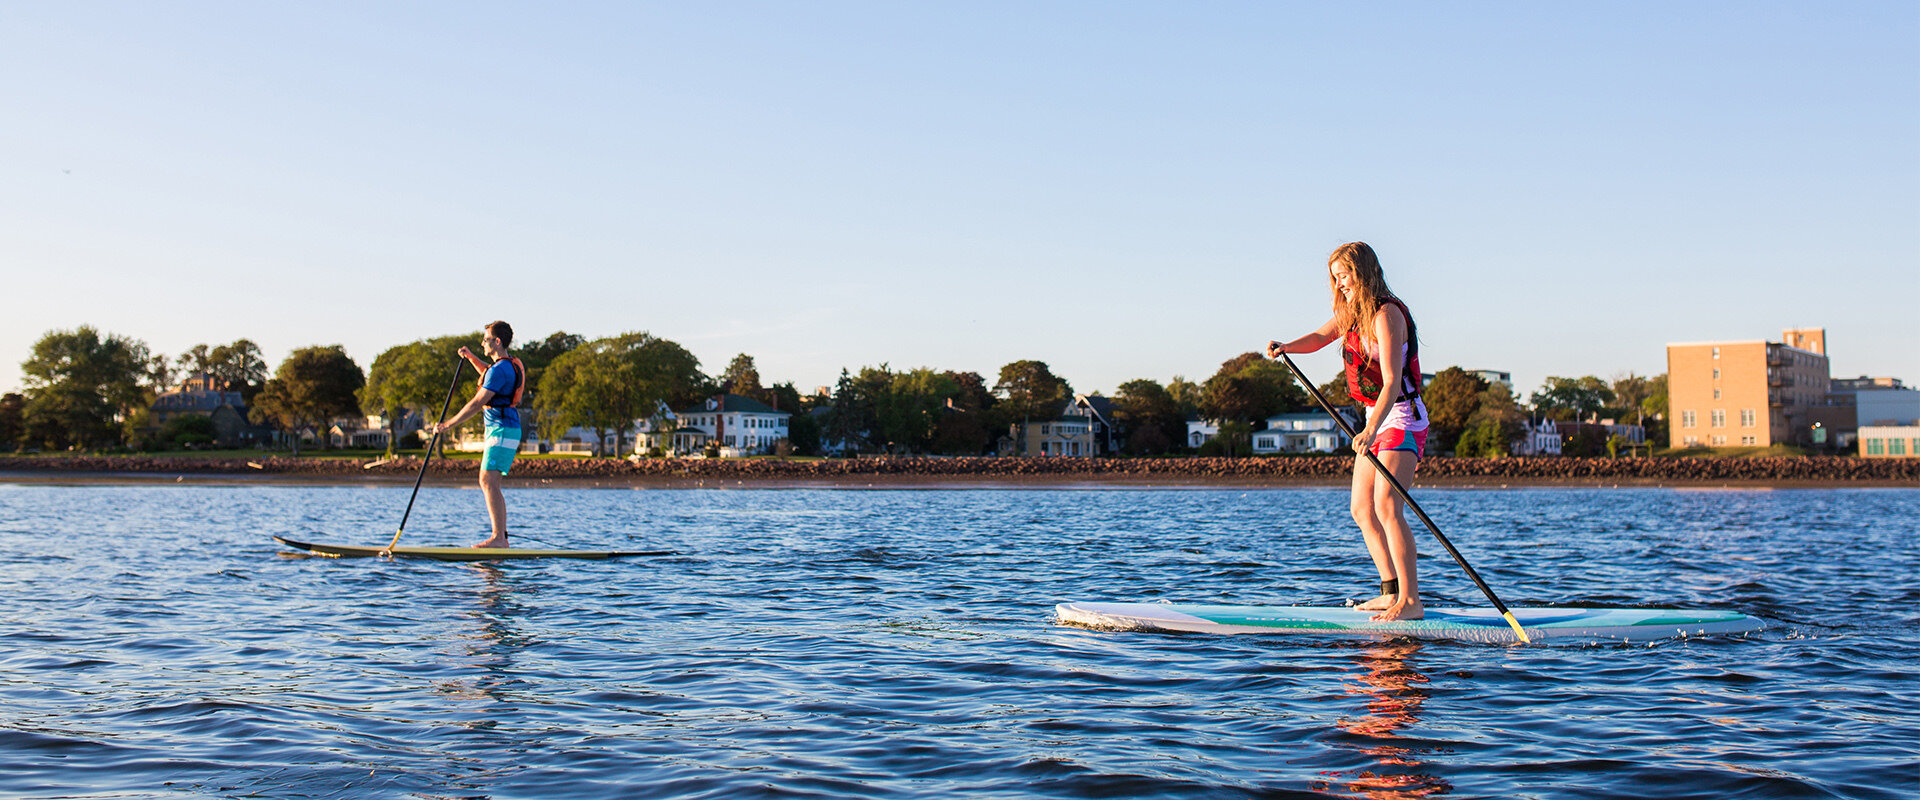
(819,643)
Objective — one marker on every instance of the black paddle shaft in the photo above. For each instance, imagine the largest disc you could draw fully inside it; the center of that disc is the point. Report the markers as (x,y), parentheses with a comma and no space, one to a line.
(1397,488)
(458,365)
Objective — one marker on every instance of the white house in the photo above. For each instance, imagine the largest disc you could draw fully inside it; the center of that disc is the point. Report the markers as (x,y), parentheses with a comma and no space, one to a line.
(1301,433)
(741,425)
(1539,438)
(1200,430)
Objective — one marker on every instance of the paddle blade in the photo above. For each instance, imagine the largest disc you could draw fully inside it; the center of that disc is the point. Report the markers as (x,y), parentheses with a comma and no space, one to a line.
(1516,626)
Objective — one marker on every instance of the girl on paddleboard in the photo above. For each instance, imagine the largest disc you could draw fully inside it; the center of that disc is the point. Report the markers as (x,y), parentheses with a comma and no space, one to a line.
(1383,374)
(503,384)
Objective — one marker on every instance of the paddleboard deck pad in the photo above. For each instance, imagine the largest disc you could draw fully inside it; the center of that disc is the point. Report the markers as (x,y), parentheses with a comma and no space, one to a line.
(1469,624)
(458,553)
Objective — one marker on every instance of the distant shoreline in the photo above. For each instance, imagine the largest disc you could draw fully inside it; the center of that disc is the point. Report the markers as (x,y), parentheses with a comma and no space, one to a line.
(980,472)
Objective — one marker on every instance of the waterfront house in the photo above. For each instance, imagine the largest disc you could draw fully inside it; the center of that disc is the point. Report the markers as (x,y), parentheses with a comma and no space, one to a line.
(1303,433)
(201,395)
(1538,438)
(1066,435)
(740,425)
(1199,431)
(1097,411)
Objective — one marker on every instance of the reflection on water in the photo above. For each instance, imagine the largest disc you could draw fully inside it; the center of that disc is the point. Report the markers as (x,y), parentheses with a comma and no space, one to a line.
(488,646)
(1394,692)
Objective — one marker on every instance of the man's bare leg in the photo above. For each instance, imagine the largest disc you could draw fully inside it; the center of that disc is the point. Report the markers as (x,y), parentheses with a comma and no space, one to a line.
(496,508)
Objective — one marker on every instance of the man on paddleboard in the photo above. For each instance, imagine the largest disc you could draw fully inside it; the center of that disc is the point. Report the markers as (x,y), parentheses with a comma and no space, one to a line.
(503,384)
(1383,373)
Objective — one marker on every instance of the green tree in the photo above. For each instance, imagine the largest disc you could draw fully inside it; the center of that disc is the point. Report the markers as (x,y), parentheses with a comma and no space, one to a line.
(80,386)
(238,367)
(1494,425)
(1482,440)
(1031,392)
(160,374)
(1451,398)
(783,397)
(1571,399)
(1235,438)
(1187,394)
(314,385)
(742,377)
(413,377)
(848,415)
(910,406)
(197,359)
(964,428)
(187,430)
(1151,417)
(803,433)
(13,407)
(535,356)
(1250,387)
(606,385)
(1335,392)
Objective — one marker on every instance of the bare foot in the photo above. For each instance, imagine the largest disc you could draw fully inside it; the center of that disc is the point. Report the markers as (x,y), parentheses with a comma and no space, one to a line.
(1376,604)
(494,541)
(1409,608)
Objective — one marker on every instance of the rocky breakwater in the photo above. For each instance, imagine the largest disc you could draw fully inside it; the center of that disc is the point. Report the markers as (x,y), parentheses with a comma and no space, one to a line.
(1823,469)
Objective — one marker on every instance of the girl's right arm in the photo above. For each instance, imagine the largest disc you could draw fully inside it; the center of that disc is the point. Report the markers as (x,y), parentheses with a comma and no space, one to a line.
(1327,334)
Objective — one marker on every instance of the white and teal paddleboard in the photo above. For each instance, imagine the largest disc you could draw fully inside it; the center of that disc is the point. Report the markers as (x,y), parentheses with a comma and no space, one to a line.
(1469,624)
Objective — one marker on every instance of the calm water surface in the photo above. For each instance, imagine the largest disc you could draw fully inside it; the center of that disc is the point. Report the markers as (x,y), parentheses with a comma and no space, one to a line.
(844,643)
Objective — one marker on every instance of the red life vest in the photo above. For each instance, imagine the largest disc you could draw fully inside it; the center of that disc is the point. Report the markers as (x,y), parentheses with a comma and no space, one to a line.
(1363,368)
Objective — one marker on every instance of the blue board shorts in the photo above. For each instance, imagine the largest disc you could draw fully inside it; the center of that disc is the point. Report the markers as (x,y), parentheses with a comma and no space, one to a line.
(502,445)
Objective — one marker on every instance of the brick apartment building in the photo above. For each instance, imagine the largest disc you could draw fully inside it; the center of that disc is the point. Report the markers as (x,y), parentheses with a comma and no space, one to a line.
(1753,393)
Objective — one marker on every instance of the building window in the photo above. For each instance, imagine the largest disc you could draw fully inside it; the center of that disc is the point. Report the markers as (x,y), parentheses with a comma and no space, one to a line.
(1719,418)
(1719,441)
(1896,447)
(1716,354)
(1716,370)
(1691,441)
(1746,440)
(1876,447)
(1746,418)
(1687,420)
(1716,393)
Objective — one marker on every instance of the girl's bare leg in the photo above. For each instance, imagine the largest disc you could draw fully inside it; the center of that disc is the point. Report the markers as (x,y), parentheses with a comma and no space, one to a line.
(1402,555)
(1365,515)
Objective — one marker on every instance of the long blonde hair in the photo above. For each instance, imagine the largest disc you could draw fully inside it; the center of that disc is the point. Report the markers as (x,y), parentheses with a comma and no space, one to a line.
(1358,313)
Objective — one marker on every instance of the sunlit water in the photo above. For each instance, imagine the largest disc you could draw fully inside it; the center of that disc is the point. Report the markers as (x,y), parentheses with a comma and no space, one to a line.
(823,643)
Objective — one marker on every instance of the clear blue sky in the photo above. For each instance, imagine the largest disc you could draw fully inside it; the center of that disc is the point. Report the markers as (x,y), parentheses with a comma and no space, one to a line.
(1120,190)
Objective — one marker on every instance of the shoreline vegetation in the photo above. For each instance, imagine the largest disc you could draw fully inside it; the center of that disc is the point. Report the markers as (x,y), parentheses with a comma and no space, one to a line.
(1328,470)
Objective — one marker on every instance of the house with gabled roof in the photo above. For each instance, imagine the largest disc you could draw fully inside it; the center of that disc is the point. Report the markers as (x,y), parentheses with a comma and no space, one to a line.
(203,395)
(740,425)
(1305,432)
(1083,428)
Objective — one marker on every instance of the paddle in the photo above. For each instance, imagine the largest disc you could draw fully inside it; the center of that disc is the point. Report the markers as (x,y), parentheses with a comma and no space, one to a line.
(1408,499)
(458,365)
